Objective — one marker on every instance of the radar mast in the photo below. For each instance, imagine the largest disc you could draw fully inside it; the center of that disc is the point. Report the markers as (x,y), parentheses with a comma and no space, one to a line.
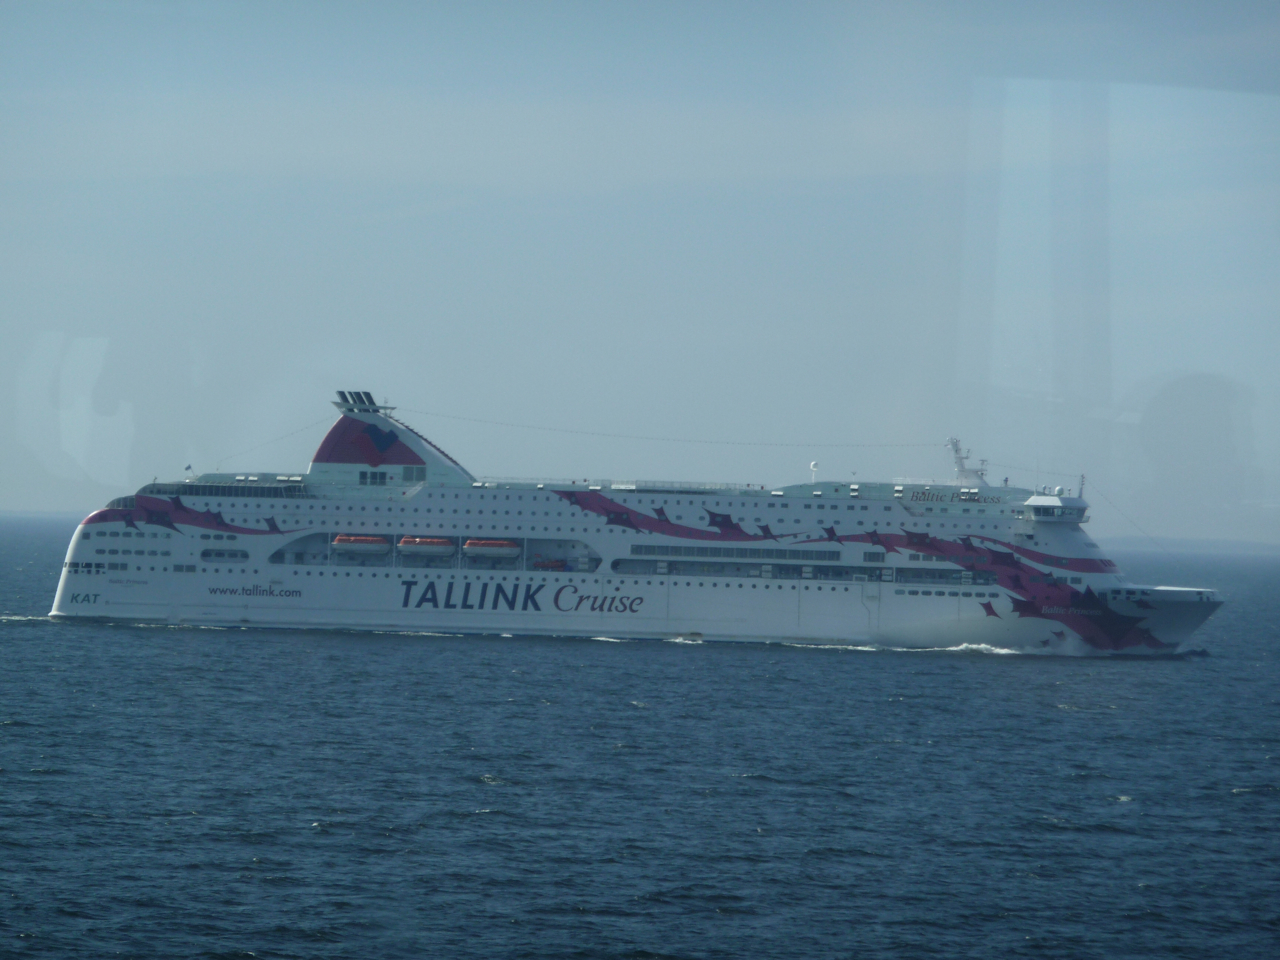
(965,473)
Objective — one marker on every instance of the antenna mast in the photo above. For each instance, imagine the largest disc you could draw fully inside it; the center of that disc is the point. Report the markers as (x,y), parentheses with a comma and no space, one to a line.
(963,471)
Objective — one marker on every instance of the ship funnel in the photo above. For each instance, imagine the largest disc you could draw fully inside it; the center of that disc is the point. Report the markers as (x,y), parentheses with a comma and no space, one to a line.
(368,436)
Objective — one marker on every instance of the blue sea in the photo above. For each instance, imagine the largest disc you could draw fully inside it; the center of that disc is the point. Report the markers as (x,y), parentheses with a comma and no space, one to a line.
(177,792)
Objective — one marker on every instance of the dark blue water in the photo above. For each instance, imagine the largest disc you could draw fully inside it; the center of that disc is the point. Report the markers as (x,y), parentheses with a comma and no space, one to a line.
(230,793)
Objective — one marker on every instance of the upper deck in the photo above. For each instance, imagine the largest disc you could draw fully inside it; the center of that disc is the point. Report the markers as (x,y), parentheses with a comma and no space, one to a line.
(370,456)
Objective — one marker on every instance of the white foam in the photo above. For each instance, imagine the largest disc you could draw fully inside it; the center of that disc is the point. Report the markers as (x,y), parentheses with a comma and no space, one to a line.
(871,648)
(961,648)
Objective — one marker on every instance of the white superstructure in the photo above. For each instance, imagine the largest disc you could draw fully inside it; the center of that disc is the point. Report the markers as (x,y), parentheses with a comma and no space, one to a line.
(386,531)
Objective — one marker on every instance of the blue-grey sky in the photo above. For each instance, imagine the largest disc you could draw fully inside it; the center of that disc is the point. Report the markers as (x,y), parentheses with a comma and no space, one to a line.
(1052,230)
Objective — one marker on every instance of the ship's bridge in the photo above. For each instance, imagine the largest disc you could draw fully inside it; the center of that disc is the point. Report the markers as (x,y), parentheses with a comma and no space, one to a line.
(1056,508)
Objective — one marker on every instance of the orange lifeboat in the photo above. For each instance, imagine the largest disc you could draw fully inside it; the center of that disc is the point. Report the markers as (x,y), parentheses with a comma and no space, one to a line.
(496,549)
(367,546)
(426,547)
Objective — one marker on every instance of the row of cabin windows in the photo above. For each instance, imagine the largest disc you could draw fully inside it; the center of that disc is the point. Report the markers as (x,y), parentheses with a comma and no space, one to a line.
(926,575)
(703,568)
(224,555)
(292,491)
(351,508)
(124,533)
(740,553)
(535,513)
(379,478)
(688,583)
(765,571)
(78,566)
(945,593)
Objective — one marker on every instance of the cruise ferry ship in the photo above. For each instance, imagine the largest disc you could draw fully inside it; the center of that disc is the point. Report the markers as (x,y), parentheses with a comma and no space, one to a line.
(385,531)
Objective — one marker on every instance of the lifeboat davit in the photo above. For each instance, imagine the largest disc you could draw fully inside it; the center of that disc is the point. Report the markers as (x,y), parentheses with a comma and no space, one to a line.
(497,549)
(349,543)
(426,547)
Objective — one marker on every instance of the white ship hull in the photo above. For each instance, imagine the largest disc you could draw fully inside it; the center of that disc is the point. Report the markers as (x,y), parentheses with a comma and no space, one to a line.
(899,566)
(625,608)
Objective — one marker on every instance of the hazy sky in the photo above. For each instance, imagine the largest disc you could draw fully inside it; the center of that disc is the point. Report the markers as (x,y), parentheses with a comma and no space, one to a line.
(1053,230)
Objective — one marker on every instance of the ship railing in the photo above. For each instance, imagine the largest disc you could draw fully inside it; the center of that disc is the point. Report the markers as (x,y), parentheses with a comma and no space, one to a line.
(627,485)
(688,485)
